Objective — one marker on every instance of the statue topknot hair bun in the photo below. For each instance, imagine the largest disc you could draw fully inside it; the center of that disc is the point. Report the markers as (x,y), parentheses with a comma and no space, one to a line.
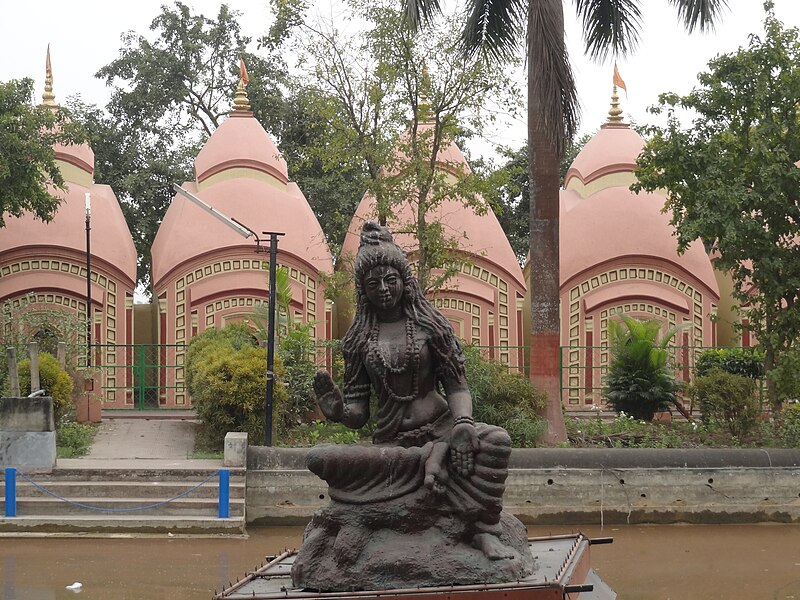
(374,233)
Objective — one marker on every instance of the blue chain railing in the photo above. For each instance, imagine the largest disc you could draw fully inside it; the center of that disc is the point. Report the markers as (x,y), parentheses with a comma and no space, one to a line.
(223,499)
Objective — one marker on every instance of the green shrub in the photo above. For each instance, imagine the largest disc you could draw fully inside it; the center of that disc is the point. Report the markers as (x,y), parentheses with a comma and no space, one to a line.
(52,378)
(787,374)
(297,350)
(640,381)
(74,439)
(236,335)
(226,377)
(505,399)
(727,400)
(790,426)
(748,362)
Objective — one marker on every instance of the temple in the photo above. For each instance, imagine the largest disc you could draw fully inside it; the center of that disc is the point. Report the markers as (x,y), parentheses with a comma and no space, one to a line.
(484,300)
(618,255)
(205,274)
(43,265)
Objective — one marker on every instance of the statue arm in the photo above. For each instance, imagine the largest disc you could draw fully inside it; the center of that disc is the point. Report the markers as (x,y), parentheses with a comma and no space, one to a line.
(356,401)
(353,409)
(464,438)
(458,397)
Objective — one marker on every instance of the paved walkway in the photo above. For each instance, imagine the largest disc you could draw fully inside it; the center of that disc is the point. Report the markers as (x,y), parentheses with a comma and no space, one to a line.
(142,443)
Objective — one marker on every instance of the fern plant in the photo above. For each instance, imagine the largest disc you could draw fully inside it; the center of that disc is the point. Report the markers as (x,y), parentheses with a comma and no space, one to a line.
(640,381)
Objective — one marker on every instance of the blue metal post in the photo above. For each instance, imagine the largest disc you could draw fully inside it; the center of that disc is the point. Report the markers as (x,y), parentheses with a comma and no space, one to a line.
(11,492)
(224,493)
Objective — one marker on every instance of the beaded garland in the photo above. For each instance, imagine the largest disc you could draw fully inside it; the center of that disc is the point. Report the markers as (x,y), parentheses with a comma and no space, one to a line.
(409,360)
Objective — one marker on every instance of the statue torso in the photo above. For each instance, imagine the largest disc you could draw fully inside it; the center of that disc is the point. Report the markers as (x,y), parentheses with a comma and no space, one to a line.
(402,368)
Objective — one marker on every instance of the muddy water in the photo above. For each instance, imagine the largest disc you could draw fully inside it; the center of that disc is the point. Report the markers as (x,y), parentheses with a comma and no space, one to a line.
(737,562)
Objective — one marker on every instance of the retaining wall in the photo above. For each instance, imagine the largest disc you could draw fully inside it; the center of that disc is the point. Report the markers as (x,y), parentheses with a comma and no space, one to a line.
(581,486)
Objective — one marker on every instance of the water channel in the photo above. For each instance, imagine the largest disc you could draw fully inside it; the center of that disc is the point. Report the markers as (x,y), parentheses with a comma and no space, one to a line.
(732,562)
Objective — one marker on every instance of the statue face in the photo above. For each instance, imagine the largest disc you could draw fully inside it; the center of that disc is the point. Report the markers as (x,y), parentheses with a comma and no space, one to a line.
(384,287)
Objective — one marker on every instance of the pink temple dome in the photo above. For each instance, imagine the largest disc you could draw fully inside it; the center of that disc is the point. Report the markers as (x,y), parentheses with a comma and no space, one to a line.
(110,237)
(612,222)
(615,223)
(479,235)
(611,150)
(188,232)
(238,143)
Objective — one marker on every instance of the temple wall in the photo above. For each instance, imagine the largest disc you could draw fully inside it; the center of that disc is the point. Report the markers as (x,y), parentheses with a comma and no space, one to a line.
(31,283)
(642,290)
(219,288)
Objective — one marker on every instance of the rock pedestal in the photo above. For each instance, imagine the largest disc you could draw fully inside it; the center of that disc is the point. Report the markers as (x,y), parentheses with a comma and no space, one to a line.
(403,543)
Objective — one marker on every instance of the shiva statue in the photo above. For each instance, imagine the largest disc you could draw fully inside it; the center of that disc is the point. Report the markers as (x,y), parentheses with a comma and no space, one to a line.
(433,479)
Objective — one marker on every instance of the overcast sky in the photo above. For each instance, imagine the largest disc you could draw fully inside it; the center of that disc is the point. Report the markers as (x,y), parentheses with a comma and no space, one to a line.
(85,35)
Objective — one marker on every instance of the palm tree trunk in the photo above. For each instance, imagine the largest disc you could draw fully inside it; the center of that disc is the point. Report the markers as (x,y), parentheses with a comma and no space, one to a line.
(545,337)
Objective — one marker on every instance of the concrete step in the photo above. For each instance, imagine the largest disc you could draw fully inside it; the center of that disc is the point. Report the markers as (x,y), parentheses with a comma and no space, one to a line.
(124,489)
(110,507)
(83,525)
(133,474)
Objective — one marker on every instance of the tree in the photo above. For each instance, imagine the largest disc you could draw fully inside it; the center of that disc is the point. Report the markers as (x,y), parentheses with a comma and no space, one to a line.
(333,179)
(170,94)
(732,180)
(513,194)
(388,116)
(498,29)
(27,158)
(140,166)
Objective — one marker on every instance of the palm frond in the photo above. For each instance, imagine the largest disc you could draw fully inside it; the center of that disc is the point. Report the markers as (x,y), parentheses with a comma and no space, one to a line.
(699,13)
(553,90)
(610,25)
(495,26)
(420,12)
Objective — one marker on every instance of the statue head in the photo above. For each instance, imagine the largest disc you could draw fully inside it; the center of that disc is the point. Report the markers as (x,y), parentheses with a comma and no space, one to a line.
(377,249)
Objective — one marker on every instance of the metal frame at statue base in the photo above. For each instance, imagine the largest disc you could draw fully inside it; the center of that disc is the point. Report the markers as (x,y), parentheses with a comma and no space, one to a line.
(563,572)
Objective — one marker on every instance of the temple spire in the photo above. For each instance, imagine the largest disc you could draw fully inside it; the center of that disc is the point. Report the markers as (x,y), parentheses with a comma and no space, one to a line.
(241,103)
(48,98)
(615,118)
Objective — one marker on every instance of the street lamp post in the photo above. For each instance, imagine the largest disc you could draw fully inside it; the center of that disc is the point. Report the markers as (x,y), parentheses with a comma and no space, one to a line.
(88,280)
(246,232)
(273,265)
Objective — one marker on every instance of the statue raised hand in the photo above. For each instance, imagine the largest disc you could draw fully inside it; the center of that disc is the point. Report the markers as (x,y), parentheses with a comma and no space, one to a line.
(329,397)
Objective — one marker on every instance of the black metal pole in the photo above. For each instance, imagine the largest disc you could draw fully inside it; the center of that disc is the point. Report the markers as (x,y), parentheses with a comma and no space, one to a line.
(88,282)
(273,264)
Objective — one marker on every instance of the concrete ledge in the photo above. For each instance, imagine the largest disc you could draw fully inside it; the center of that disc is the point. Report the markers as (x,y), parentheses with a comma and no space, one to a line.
(656,458)
(27,414)
(581,486)
(235,453)
(28,450)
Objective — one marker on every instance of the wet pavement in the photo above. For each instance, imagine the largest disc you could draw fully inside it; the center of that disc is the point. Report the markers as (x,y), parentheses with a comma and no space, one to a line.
(142,442)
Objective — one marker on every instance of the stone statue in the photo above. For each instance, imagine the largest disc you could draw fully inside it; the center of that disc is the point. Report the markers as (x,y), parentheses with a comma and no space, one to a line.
(421,506)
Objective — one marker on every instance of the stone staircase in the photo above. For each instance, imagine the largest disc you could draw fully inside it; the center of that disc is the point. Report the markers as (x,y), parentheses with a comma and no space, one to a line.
(117,489)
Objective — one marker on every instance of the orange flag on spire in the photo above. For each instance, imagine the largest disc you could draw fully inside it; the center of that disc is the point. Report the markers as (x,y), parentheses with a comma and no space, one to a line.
(618,80)
(243,71)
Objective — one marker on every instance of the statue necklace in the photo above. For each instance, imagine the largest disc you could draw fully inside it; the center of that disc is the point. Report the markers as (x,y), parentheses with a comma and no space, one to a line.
(408,361)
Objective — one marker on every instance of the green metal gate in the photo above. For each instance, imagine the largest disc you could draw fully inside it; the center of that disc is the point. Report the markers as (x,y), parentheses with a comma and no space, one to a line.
(147,374)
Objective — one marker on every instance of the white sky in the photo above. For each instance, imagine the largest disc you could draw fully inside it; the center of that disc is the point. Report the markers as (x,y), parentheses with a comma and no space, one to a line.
(85,35)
